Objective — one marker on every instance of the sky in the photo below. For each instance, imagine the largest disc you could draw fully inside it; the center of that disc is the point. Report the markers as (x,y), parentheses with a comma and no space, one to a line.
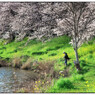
(47,0)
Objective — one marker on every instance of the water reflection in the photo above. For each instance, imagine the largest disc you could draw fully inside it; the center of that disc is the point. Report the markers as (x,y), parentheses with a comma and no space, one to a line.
(11,78)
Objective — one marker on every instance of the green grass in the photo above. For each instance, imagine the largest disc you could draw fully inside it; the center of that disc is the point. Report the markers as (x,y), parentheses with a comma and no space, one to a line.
(81,81)
(61,84)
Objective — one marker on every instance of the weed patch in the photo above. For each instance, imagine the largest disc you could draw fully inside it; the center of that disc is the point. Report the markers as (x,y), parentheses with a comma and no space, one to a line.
(77,77)
(27,64)
(64,83)
(39,53)
(53,54)
(16,62)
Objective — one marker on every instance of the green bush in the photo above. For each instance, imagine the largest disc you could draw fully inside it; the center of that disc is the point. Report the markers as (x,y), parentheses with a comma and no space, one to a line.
(77,77)
(90,56)
(50,49)
(83,63)
(53,54)
(39,53)
(84,70)
(64,83)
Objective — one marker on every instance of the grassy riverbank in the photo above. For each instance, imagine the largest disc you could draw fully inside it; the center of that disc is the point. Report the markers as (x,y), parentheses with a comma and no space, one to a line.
(50,53)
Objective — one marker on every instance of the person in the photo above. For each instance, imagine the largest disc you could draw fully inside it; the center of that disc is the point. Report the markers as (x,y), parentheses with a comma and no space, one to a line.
(66,58)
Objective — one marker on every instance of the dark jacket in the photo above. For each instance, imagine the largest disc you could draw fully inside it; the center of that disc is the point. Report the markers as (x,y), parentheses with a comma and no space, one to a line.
(66,56)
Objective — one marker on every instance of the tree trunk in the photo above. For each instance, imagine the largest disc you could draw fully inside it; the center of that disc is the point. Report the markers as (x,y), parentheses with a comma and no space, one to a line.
(77,65)
(76,54)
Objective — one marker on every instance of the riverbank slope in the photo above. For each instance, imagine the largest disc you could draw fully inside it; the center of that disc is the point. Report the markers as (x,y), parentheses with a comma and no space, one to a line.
(47,59)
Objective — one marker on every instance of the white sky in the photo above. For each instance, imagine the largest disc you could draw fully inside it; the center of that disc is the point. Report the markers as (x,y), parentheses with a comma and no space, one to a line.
(48,0)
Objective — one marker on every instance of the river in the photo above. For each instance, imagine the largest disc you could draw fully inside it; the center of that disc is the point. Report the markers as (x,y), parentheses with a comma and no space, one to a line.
(11,78)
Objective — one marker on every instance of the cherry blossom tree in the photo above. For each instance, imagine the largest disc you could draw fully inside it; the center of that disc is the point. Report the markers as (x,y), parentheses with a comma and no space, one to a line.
(79,21)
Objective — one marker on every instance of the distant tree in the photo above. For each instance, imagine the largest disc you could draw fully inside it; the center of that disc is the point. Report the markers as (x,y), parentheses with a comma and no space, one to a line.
(79,21)
(6,17)
(27,20)
(38,18)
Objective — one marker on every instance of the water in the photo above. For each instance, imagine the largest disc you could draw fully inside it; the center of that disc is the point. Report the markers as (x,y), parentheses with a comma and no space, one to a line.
(11,78)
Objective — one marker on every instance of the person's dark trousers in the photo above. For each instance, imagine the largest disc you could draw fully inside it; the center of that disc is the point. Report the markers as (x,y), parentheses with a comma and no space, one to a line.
(66,62)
